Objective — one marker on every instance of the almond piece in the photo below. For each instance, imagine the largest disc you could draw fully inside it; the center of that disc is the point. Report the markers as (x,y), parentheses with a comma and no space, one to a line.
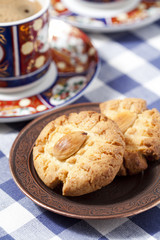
(125,120)
(69,144)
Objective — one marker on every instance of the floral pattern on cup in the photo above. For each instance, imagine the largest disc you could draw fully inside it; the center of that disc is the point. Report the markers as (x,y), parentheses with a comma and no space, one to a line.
(33,38)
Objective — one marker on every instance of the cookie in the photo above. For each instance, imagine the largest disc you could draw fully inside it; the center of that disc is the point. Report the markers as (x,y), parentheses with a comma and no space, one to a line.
(83,151)
(141,129)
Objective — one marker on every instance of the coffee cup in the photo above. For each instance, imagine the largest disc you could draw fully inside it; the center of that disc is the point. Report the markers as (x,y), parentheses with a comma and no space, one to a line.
(24,48)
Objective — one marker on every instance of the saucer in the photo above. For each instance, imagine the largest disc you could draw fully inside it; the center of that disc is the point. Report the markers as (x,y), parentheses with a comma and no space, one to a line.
(42,84)
(100,10)
(77,64)
(105,3)
(101,20)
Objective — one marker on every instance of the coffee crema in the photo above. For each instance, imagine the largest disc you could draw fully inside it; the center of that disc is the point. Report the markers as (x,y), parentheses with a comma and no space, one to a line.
(14,10)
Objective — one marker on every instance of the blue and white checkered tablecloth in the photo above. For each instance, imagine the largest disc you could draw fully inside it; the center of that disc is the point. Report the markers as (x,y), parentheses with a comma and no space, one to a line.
(130,67)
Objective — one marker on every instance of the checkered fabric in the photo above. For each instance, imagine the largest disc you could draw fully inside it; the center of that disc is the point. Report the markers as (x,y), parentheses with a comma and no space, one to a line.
(130,67)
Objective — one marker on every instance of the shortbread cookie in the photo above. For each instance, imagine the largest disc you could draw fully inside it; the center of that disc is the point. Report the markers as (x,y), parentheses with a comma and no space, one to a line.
(141,128)
(84,151)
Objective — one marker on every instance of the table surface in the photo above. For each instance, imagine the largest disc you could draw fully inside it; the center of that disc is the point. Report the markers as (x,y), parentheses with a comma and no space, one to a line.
(130,67)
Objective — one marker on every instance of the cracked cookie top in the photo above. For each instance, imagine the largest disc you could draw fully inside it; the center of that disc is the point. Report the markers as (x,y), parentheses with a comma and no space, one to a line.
(141,129)
(83,151)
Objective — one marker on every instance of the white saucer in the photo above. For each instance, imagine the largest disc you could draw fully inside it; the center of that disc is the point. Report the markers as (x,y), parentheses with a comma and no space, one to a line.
(104,20)
(108,5)
(99,11)
(43,84)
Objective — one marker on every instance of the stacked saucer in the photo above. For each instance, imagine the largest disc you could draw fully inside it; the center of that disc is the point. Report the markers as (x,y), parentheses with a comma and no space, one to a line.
(107,15)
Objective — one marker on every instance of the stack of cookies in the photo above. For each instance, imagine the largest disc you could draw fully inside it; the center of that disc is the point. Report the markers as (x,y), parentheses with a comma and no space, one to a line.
(85,151)
(141,129)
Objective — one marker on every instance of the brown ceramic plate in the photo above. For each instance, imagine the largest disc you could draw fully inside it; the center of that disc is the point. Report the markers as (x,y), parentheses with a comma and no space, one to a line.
(125,196)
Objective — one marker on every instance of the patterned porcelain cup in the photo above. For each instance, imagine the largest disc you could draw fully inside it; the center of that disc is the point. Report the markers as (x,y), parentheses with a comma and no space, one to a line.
(24,51)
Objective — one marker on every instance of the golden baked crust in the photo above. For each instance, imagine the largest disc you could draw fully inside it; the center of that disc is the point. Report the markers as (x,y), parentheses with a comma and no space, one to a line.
(112,107)
(141,128)
(84,151)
